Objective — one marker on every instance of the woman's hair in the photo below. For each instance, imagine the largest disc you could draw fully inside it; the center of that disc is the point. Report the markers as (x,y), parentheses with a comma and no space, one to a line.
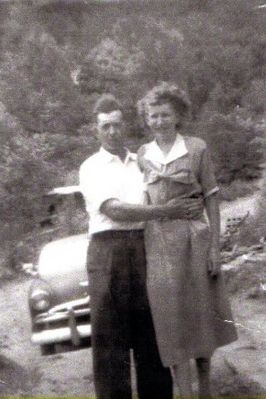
(106,103)
(162,93)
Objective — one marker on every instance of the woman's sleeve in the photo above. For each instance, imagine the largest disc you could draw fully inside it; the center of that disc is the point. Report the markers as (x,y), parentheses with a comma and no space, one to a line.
(207,177)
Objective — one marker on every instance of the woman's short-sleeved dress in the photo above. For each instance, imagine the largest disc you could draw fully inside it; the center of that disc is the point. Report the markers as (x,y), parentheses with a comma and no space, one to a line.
(191,311)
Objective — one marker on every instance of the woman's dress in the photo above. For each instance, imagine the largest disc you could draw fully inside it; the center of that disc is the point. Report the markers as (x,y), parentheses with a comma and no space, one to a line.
(191,312)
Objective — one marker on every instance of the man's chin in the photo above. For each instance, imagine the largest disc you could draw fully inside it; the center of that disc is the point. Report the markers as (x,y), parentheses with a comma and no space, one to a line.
(116,148)
(164,133)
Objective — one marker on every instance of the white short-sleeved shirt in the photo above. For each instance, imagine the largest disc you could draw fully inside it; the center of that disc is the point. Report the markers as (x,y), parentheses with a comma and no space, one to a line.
(104,176)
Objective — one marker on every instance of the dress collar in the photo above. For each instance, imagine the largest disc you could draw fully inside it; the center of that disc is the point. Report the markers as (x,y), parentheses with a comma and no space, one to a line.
(178,150)
(109,157)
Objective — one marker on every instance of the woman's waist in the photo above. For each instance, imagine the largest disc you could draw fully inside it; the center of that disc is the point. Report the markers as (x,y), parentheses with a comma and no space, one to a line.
(200,223)
(180,231)
(162,197)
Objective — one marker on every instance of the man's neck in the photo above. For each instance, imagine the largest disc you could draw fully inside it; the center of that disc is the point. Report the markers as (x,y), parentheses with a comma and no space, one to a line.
(120,153)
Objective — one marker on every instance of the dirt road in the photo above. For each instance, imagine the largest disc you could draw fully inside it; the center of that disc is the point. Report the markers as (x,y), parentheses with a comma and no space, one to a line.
(23,371)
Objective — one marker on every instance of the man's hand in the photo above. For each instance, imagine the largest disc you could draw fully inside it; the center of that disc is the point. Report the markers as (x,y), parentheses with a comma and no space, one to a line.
(214,262)
(185,208)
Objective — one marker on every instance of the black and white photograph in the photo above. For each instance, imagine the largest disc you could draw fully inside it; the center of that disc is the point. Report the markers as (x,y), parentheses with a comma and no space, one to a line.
(133,199)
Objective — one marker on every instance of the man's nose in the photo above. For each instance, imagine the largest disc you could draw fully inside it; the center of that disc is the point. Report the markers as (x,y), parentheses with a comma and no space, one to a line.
(112,130)
(159,120)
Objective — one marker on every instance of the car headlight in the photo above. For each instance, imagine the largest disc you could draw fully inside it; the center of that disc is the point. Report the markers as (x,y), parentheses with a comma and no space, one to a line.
(40,297)
(40,300)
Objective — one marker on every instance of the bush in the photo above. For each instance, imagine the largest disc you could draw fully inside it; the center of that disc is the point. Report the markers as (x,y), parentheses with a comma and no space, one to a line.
(46,113)
(234,144)
(256,228)
(236,189)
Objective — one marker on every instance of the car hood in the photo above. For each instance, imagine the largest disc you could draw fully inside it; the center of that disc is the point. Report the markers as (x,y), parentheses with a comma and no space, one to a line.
(62,264)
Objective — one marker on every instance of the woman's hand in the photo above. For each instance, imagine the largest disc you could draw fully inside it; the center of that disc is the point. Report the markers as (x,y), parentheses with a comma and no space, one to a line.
(214,261)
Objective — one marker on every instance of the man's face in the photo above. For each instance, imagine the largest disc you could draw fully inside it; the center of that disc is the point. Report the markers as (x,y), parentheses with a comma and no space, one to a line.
(110,130)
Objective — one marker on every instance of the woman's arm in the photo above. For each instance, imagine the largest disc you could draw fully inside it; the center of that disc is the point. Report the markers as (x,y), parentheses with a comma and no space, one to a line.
(183,208)
(213,212)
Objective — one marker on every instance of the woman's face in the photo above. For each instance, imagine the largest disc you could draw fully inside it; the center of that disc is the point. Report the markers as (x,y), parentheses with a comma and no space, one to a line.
(162,120)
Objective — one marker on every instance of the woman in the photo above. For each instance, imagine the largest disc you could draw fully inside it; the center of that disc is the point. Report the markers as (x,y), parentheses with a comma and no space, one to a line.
(186,292)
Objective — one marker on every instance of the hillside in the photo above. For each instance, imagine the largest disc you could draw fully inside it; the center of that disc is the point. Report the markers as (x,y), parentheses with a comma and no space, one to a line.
(57,56)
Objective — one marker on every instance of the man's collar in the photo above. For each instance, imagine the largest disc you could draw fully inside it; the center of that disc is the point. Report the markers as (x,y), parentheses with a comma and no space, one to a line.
(109,157)
(178,150)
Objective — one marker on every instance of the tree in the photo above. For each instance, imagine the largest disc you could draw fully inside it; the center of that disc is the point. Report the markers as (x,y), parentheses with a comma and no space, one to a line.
(54,65)
(235,141)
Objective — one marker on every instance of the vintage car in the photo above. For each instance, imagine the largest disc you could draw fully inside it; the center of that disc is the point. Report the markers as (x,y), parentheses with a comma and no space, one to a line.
(59,300)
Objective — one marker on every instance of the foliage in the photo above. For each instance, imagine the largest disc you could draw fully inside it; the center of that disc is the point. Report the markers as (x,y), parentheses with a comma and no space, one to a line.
(235,141)
(55,61)
(237,189)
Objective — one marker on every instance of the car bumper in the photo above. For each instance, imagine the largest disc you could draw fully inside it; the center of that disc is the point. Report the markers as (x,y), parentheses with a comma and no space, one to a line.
(67,322)
(61,335)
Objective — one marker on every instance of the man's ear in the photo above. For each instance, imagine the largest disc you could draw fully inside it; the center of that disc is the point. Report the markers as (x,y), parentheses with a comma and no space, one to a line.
(94,130)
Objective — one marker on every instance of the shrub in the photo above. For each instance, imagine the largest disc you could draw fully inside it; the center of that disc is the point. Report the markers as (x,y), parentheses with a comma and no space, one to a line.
(233,142)
(236,189)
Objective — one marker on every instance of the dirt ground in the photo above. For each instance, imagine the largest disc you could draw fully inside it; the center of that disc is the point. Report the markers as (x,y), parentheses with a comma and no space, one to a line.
(23,371)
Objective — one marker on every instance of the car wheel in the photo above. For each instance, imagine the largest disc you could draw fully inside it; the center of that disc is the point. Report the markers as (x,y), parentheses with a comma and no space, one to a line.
(47,349)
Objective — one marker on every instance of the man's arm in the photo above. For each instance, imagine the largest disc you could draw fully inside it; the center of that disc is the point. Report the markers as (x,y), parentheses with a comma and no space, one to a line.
(182,208)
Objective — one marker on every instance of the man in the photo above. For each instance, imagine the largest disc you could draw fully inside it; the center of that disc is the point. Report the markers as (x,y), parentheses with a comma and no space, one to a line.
(113,190)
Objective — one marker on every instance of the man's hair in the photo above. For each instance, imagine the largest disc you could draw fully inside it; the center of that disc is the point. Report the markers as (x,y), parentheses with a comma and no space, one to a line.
(106,103)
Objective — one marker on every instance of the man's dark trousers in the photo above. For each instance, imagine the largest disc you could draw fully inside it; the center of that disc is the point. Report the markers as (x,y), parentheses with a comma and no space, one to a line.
(121,319)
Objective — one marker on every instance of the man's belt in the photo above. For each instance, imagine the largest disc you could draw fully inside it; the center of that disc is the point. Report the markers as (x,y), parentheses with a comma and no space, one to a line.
(122,234)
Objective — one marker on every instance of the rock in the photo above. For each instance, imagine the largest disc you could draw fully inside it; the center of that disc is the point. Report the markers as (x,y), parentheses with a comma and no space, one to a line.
(250,367)
(246,275)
